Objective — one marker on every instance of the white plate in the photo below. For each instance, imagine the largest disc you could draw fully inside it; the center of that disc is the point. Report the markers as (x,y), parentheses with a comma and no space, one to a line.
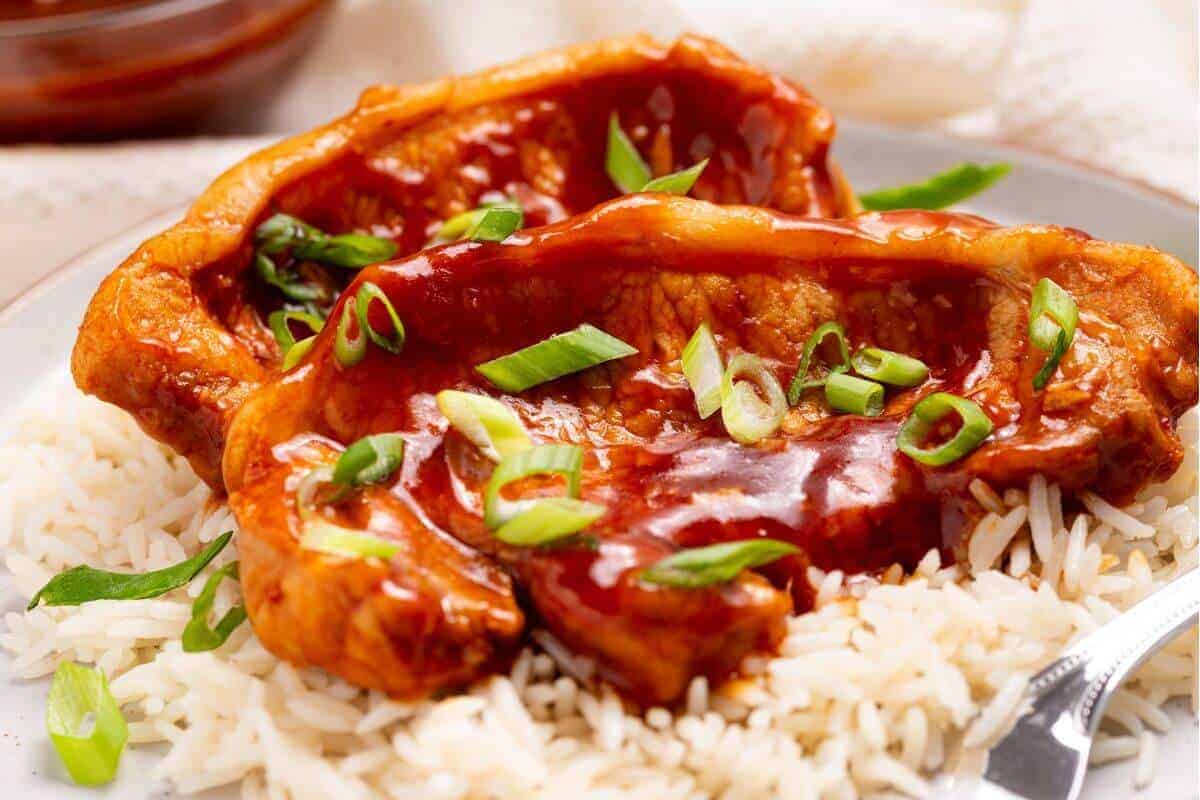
(37,331)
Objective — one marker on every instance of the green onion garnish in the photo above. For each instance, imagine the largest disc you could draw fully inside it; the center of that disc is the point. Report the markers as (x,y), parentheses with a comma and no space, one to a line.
(353,250)
(371,459)
(457,226)
(680,182)
(549,520)
(746,416)
(325,537)
(944,189)
(887,366)
(287,282)
(852,395)
(561,354)
(1053,317)
(198,636)
(546,459)
(622,161)
(347,349)
(85,724)
(297,352)
(366,293)
(83,584)
(703,369)
(926,414)
(281,321)
(718,563)
(630,172)
(801,382)
(487,423)
(497,222)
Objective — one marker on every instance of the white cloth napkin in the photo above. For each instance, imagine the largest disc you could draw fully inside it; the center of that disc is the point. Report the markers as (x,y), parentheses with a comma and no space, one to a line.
(1108,82)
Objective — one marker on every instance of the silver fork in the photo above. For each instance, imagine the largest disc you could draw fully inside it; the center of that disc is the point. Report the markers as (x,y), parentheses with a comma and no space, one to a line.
(1045,755)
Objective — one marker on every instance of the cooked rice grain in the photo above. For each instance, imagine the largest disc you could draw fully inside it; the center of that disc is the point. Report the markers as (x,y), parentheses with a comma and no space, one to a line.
(871,693)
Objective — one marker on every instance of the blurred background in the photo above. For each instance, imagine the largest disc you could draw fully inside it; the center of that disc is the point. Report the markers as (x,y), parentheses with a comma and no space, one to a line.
(114,110)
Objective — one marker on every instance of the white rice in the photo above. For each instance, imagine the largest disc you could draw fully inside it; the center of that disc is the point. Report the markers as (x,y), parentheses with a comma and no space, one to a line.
(885,684)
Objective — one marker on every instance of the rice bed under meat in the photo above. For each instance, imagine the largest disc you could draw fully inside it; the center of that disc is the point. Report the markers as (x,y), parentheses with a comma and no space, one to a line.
(885,683)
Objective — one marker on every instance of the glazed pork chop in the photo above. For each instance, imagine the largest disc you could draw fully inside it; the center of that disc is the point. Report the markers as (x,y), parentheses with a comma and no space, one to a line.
(178,335)
(443,604)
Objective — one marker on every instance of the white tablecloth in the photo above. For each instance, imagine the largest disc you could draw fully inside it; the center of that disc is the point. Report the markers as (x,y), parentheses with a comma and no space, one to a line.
(1108,82)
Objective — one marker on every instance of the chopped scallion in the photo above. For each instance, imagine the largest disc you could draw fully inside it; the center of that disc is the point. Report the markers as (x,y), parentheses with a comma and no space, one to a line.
(371,459)
(852,395)
(887,366)
(497,222)
(549,520)
(1053,317)
(562,354)
(747,417)
(718,563)
(680,182)
(349,349)
(801,382)
(287,282)
(487,423)
(325,537)
(394,342)
(352,250)
(199,636)
(297,352)
(703,369)
(622,161)
(85,724)
(924,418)
(83,584)
(281,321)
(944,189)
(547,459)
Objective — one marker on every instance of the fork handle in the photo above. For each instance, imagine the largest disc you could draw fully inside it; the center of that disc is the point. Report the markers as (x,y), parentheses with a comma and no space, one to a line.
(1091,670)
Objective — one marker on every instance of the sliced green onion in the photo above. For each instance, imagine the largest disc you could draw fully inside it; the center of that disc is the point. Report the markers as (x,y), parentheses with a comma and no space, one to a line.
(325,537)
(747,418)
(369,460)
(718,563)
(497,222)
(198,636)
(83,584)
(546,459)
(366,293)
(1051,364)
(280,324)
(944,189)
(926,414)
(561,354)
(622,161)
(489,424)
(297,352)
(288,283)
(1053,317)
(1051,310)
(887,366)
(457,226)
(703,369)
(85,724)
(353,250)
(852,395)
(347,349)
(549,520)
(801,382)
(680,182)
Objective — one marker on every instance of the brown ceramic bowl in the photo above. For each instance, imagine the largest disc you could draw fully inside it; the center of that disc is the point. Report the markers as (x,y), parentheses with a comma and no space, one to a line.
(94,69)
